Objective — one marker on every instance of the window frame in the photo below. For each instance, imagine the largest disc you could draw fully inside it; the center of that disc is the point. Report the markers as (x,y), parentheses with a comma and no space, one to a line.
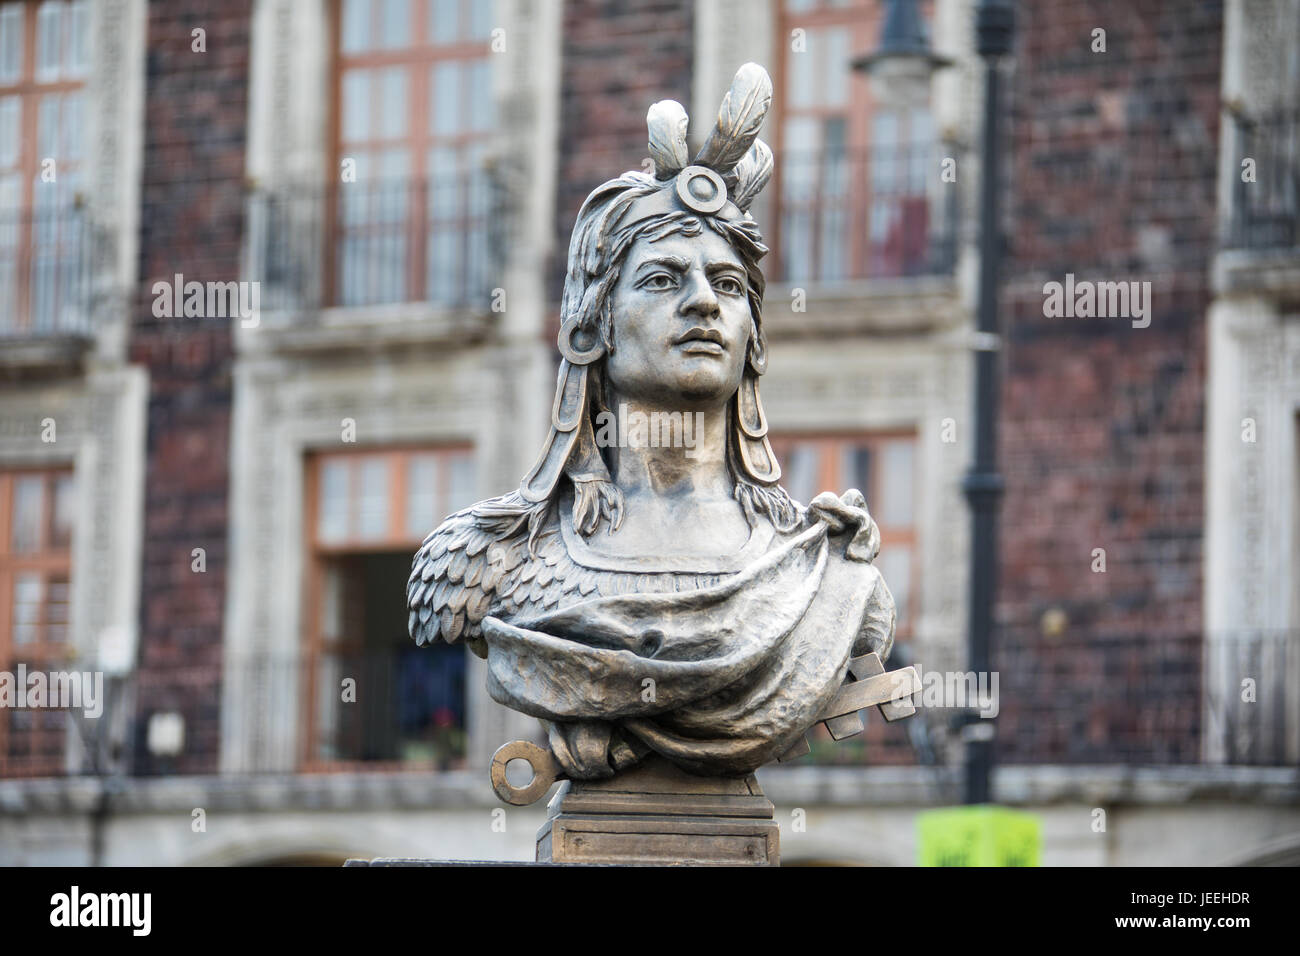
(30,90)
(416,58)
(864,20)
(830,445)
(317,553)
(48,560)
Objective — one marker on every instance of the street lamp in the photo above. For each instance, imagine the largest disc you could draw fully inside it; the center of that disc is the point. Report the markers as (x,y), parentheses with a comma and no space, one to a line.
(994,25)
(900,71)
(901,66)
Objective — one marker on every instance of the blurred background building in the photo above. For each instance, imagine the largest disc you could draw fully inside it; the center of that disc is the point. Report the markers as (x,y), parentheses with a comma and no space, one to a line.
(220,516)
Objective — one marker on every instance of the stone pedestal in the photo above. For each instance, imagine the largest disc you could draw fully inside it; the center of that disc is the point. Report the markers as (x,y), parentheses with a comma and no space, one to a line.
(655,814)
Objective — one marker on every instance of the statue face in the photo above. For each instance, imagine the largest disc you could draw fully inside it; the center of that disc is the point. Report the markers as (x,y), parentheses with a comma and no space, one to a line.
(682,322)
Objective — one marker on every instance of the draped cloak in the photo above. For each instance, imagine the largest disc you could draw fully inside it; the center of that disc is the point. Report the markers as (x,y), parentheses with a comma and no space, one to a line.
(719,680)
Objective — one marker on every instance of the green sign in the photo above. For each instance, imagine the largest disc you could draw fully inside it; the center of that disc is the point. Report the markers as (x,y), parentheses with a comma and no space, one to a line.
(979,836)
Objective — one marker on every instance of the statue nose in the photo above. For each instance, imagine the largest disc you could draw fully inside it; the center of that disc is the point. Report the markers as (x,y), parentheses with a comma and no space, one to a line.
(700,298)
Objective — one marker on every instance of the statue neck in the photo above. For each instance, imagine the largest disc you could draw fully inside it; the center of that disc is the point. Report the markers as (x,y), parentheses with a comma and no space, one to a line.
(667,452)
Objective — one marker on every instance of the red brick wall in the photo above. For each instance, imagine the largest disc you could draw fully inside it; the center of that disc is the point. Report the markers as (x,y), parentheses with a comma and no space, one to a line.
(1112,177)
(618,58)
(196,113)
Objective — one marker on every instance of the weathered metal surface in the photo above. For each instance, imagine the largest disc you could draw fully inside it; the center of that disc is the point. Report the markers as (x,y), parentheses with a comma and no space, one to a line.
(879,689)
(869,665)
(650,592)
(892,693)
(545,770)
(656,814)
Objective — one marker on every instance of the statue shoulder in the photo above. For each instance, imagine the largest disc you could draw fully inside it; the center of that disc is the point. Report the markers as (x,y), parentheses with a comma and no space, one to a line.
(456,574)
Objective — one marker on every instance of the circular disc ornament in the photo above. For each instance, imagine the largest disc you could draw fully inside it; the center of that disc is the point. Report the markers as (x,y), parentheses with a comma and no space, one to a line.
(701,189)
(576,355)
(546,770)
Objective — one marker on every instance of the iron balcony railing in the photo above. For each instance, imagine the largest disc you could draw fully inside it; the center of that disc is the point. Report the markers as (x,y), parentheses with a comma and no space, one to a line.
(48,256)
(402,708)
(1151,699)
(1266,198)
(437,240)
(881,213)
(1138,700)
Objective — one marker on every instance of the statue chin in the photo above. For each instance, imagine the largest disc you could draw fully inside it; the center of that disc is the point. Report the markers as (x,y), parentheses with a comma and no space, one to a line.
(689,396)
(701,391)
(684,382)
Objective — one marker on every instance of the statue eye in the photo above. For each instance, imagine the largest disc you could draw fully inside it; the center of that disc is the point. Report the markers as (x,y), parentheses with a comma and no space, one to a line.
(659,282)
(729,285)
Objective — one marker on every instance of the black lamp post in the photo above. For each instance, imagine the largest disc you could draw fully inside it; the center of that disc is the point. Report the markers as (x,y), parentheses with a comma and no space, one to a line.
(994,24)
(903,60)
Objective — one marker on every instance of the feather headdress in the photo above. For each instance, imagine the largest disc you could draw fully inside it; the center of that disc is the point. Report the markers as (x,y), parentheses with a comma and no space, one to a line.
(739,117)
(733,165)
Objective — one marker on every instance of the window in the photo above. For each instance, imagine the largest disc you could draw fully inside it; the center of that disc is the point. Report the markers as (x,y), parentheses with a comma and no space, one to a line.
(415,107)
(35,561)
(1262,91)
(367,514)
(43,66)
(881,466)
(852,174)
(1266,209)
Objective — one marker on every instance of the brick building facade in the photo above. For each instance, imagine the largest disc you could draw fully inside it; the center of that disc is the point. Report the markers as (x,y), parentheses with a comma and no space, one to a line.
(616,60)
(1113,177)
(192,223)
(375,367)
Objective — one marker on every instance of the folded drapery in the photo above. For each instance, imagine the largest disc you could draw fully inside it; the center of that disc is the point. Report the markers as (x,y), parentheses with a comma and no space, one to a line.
(718,680)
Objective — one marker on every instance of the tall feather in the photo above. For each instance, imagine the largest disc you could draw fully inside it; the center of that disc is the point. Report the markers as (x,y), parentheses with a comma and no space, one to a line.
(752,173)
(667,121)
(739,119)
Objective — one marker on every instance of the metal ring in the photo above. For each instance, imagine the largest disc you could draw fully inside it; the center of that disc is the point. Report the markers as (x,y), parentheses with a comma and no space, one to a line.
(546,770)
(701,189)
(576,357)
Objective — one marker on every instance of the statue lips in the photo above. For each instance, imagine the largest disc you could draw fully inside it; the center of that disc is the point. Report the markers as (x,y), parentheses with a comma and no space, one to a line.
(701,341)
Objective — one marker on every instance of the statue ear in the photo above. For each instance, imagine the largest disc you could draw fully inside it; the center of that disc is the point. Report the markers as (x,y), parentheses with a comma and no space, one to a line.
(757,350)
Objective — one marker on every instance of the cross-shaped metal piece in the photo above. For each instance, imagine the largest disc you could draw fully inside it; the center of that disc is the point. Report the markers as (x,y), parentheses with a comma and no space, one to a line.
(867,684)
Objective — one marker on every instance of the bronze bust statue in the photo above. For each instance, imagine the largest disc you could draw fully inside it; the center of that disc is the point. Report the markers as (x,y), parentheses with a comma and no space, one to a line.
(650,588)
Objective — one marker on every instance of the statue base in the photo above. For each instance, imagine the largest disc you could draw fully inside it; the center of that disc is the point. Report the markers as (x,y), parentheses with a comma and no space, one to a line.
(655,814)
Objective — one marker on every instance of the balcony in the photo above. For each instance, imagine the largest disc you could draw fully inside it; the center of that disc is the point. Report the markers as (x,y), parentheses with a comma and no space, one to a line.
(1134,701)
(1149,699)
(48,261)
(405,709)
(416,256)
(1260,243)
(870,236)
(1266,212)
(864,215)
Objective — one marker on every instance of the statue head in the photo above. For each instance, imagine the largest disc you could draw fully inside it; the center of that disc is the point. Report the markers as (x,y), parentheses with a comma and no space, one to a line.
(683,328)
(663,305)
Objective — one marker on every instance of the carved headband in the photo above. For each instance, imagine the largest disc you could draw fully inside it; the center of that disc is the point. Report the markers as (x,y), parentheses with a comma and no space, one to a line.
(698,189)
